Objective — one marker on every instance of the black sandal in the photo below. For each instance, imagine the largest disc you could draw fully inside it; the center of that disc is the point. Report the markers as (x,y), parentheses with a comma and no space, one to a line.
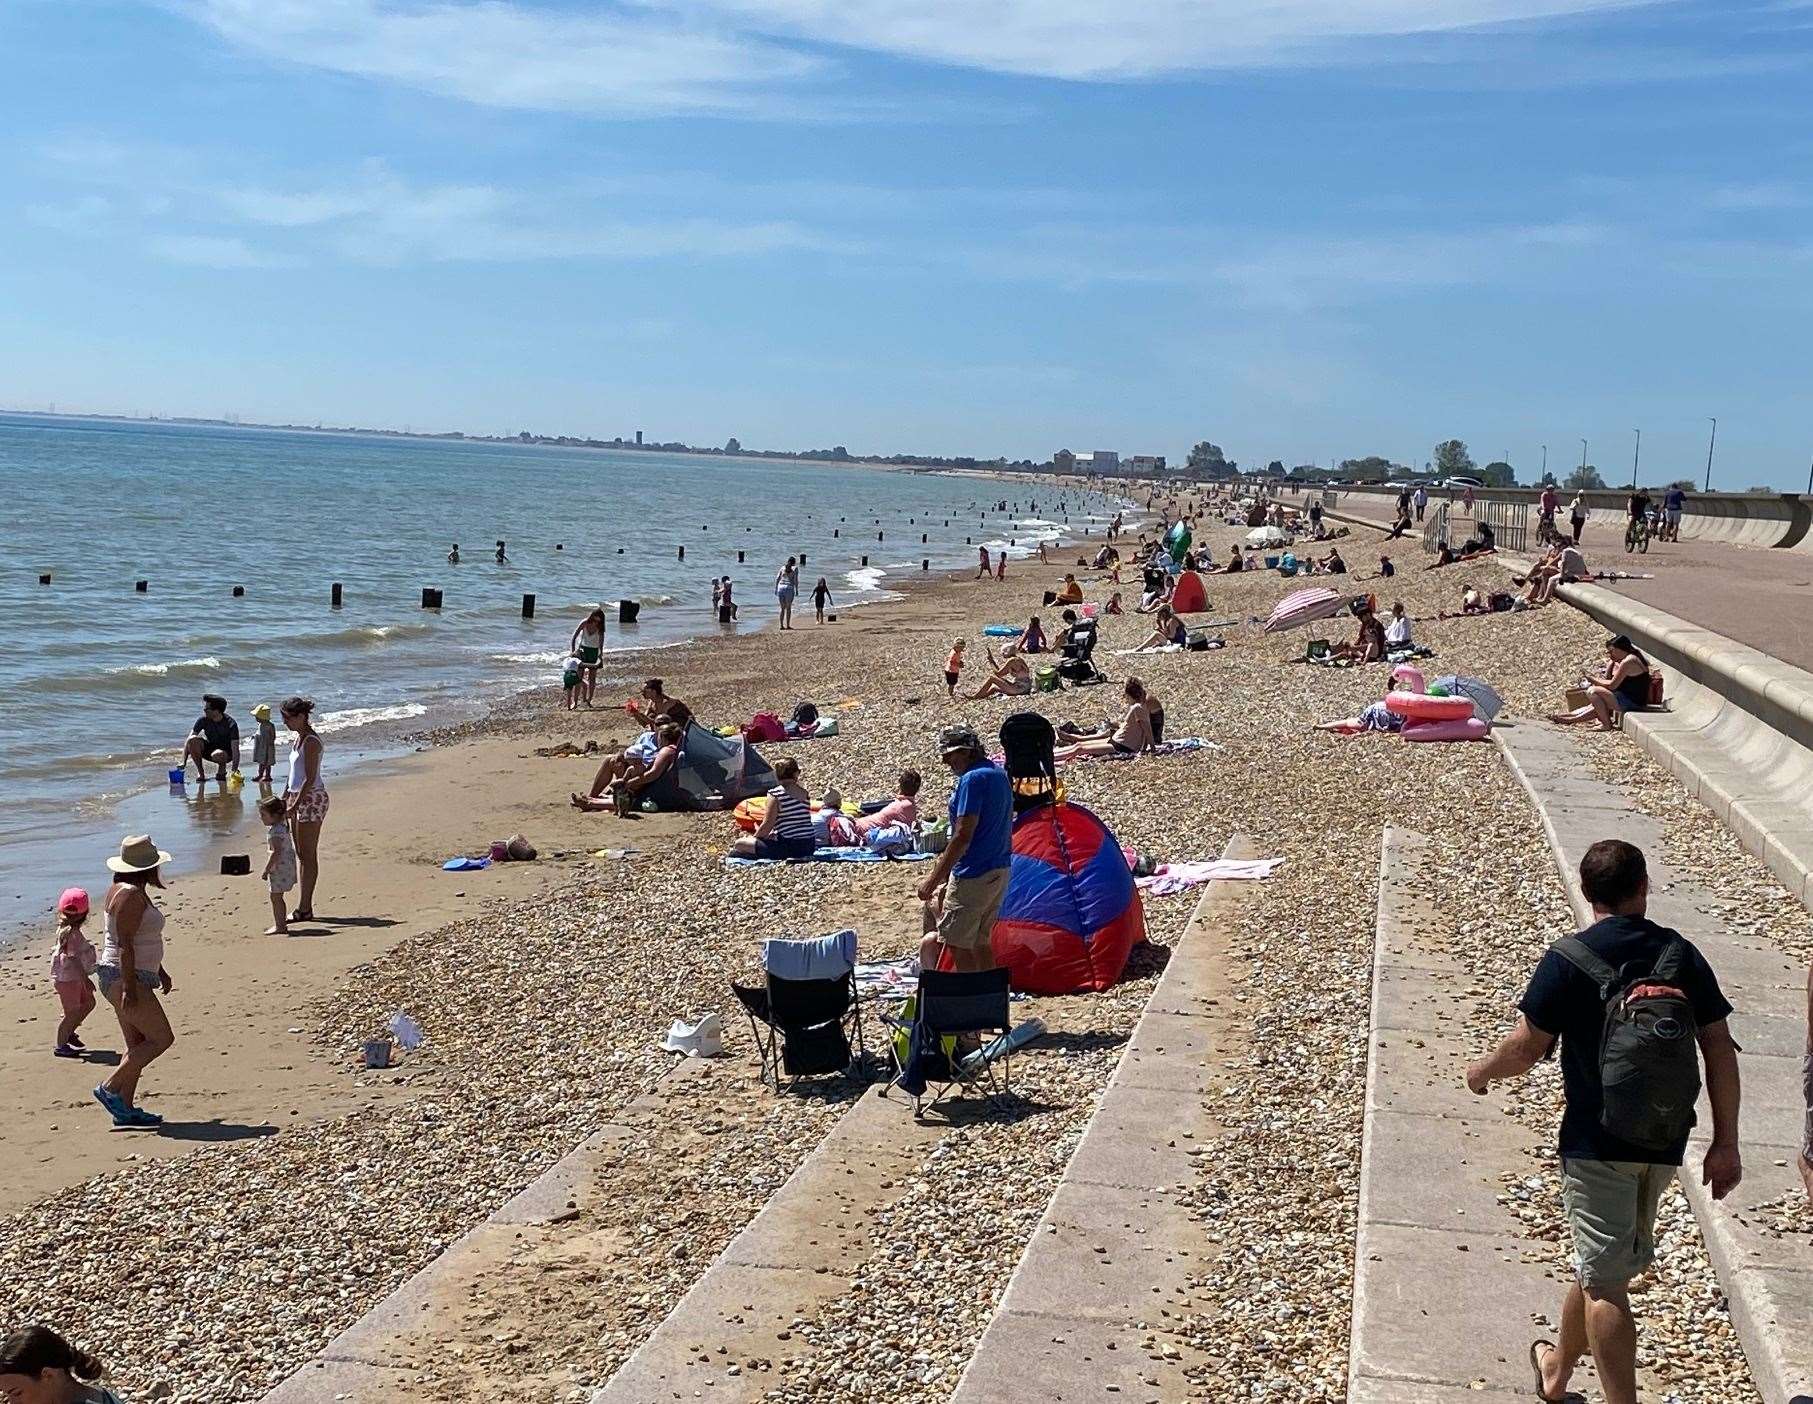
(1536,1369)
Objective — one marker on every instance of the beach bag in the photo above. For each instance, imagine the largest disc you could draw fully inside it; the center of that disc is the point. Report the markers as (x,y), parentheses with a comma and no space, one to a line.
(827,727)
(765,726)
(1047,678)
(934,836)
(1649,1060)
(804,715)
(1655,686)
(1316,649)
(1498,601)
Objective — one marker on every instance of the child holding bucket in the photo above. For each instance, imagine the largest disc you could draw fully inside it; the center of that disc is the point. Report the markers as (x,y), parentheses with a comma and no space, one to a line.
(70,969)
(280,868)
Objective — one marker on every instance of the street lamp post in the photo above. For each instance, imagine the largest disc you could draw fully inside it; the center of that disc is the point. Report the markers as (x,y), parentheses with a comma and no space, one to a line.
(1709,443)
(1545,460)
(1583,462)
(1635,458)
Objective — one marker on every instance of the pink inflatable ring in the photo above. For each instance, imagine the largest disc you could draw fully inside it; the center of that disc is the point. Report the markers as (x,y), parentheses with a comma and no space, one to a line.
(1467,729)
(1419,706)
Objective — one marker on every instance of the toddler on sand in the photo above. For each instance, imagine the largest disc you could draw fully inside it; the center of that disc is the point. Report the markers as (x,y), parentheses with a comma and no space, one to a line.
(70,968)
(572,673)
(264,745)
(280,867)
(953,666)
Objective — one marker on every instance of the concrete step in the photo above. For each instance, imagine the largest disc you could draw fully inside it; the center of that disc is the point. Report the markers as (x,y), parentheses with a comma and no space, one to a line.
(1448,1290)
(799,1253)
(1767,1277)
(378,1359)
(1112,1257)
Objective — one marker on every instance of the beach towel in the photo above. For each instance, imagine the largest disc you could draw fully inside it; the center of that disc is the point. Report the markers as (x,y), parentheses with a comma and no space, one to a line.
(828,855)
(820,958)
(888,979)
(1181,745)
(1179,877)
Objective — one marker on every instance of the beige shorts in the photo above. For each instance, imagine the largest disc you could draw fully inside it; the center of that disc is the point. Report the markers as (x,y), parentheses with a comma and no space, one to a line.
(970,907)
(1611,1212)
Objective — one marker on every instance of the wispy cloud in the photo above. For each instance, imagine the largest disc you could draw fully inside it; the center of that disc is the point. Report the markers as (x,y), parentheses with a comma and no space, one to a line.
(620,61)
(87,214)
(214,251)
(1760,196)
(372,215)
(760,57)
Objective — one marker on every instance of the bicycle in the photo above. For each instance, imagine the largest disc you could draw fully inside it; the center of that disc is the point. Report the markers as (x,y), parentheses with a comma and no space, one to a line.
(1636,535)
(1547,534)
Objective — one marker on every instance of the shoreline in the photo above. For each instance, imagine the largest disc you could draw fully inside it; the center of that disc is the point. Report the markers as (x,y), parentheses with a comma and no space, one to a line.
(377,822)
(213,823)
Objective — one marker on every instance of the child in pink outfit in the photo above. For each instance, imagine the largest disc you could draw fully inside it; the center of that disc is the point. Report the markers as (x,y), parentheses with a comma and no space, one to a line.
(70,968)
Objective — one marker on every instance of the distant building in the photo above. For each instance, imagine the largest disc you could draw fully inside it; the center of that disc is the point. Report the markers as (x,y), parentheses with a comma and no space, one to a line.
(1105,460)
(638,438)
(1146,463)
(1064,461)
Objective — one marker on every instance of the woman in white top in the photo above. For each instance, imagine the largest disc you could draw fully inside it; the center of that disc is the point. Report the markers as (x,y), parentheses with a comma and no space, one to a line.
(1577,514)
(1397,629)
(307,800)
(131,974)
(588,648)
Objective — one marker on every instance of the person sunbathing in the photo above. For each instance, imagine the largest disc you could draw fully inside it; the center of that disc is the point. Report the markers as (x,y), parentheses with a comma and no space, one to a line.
(1009,677)
(1070,592)
(1170,631)
(1332,564)
(1236,564)
(1133,735)
(632,774)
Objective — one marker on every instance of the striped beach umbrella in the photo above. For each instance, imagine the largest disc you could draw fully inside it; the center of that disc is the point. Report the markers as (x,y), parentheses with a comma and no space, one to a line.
(1303,607)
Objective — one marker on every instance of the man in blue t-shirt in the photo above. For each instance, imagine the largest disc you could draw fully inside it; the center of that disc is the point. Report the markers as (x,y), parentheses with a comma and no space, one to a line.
(1674,502)
(1610,1187)
(963,892)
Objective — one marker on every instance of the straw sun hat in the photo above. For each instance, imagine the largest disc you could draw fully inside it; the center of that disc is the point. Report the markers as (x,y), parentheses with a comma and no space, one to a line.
(138,855)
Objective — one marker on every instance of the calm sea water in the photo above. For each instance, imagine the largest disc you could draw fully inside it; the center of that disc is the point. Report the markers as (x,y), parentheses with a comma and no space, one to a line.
(102,683)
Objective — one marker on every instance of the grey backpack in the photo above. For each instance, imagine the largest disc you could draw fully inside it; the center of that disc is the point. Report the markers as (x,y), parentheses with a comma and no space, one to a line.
(1649,1059)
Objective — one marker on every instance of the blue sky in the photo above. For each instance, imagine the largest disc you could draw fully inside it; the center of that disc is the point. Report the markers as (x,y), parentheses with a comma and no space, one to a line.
(1304,230)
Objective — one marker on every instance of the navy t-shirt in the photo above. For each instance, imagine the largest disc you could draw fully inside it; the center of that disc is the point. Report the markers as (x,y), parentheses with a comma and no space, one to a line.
(984,791)
(1563,1001)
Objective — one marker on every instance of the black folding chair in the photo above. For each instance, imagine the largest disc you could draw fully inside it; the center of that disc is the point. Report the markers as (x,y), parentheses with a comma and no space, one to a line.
(951,1004)
(1028,745)
(805,1028)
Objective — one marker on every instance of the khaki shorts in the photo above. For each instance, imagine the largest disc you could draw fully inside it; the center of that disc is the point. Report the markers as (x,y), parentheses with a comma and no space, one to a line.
(1611,1212)
(1806,1079)
(970,907)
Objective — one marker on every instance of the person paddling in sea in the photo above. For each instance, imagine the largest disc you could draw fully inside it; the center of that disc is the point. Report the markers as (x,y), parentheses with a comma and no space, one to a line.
(132,976)
(214,739)
(453,556)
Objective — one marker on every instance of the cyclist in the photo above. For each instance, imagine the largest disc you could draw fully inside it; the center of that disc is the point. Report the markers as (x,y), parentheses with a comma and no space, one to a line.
(1636,530)
(1548,504)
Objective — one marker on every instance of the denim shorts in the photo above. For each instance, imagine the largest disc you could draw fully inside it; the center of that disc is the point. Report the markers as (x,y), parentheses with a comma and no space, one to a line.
(109,975)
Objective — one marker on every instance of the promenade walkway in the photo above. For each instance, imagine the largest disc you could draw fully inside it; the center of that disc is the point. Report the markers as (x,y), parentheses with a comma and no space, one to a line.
(1760,597)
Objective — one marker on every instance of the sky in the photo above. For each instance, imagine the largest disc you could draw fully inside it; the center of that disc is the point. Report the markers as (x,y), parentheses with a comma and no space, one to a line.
(1302,229)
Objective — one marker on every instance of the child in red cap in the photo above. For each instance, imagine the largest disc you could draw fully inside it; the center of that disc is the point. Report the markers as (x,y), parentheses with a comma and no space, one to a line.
(70,969)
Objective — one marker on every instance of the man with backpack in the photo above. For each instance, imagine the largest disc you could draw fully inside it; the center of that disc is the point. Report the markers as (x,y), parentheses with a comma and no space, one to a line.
(1629,1001)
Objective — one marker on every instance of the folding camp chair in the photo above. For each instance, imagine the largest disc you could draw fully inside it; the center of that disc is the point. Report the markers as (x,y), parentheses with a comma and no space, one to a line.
(1028,744)
(807,1022)
(948,1004)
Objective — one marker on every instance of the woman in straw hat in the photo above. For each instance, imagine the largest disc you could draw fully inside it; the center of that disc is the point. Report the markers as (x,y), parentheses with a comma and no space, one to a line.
(132,975)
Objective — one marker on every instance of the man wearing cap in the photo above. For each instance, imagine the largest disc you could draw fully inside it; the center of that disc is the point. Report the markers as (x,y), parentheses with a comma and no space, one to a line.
(214,737)
(963,892)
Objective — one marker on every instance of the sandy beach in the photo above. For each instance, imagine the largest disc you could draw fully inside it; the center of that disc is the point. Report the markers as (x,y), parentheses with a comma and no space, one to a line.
(293,1188)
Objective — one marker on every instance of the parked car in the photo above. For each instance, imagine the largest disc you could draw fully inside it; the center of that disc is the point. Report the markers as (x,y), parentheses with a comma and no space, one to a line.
(1460,480)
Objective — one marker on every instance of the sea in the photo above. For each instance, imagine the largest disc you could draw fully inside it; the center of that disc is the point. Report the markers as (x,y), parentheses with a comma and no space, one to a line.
(102,680)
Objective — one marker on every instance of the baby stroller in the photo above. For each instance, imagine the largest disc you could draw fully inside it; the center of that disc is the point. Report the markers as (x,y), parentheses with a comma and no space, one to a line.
(1075,667)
